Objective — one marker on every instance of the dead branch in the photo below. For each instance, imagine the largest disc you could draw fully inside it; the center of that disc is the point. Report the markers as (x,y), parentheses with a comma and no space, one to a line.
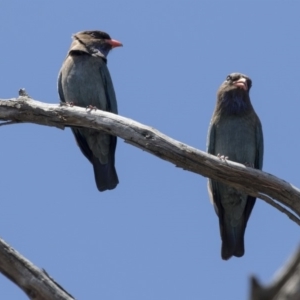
(35,282)
(253,182)
(285,286)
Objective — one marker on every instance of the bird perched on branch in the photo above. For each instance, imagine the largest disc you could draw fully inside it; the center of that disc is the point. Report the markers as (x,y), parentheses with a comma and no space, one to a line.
(235,132)
(84,80)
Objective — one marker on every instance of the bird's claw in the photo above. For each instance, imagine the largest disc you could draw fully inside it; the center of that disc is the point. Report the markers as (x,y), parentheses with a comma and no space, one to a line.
(250,165)
(66,103)
(222,157)
(23,93)
(91,107)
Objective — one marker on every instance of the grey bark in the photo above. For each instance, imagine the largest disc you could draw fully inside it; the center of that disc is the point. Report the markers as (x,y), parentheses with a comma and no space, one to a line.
(254,182)
(36,283)
(285,285)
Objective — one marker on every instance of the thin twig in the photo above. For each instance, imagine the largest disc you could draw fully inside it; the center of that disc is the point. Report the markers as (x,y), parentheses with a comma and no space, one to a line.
(9,123)
(279,207)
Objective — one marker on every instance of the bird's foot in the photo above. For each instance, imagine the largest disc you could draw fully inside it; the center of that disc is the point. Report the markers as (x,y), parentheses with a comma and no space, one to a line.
(66,103)
(222,157)
(250,165)
(91,107)
(23,93)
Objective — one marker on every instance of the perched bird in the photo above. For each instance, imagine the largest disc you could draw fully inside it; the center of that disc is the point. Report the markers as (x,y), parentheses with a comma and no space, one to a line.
(235,131)
(84,80)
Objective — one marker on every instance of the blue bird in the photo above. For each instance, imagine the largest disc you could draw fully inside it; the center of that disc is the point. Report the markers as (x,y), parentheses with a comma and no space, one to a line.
(235,131)
(84,80)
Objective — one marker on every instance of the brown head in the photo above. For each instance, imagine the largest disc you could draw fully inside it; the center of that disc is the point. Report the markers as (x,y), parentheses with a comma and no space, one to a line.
(233,94)
(93,42)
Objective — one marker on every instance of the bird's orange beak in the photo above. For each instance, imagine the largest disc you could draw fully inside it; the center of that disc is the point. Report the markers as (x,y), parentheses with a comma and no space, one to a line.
(241,83)
(114,43)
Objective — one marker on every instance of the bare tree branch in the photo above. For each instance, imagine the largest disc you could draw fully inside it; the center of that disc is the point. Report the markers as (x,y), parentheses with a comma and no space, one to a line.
(286,285)
(279,207)
(253,182)
(36,283)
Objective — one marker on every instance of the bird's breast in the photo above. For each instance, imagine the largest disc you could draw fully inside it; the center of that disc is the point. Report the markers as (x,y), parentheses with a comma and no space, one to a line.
(82,82)
(235,138)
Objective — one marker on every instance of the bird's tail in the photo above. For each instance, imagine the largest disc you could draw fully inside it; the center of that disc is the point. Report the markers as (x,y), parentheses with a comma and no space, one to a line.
(232,239)
(105,175)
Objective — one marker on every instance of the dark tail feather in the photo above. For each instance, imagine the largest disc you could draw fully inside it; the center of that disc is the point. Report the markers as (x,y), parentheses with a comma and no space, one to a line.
(239,250)
(105,175)
(232,239)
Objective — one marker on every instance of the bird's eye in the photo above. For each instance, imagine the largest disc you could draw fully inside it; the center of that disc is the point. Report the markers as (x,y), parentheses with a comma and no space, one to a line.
(228,78)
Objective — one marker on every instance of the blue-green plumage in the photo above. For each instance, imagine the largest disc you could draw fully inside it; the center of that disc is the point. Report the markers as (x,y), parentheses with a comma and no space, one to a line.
(84,80)
(235,131)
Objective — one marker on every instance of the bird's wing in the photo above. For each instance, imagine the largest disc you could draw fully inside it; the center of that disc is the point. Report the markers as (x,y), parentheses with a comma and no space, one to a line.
(111,101)
(259,146)
(210,145)
(257,165)
(60,89)
(81,141)
(212,184)
(109,90)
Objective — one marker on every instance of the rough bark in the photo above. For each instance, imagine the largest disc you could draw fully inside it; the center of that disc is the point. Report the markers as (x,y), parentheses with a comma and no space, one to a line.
(254,182)
(35,282)
(285,286)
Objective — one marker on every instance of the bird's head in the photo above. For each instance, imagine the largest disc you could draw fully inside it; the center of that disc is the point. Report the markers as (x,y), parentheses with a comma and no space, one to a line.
(233,94)
(95,42)
(236,82)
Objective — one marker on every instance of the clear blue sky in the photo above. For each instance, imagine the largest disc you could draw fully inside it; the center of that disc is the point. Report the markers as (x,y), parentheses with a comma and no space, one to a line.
(156,236)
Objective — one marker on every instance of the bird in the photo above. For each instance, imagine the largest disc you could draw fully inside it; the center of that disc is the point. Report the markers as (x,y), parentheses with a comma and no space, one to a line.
(84,80)
(235,132)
